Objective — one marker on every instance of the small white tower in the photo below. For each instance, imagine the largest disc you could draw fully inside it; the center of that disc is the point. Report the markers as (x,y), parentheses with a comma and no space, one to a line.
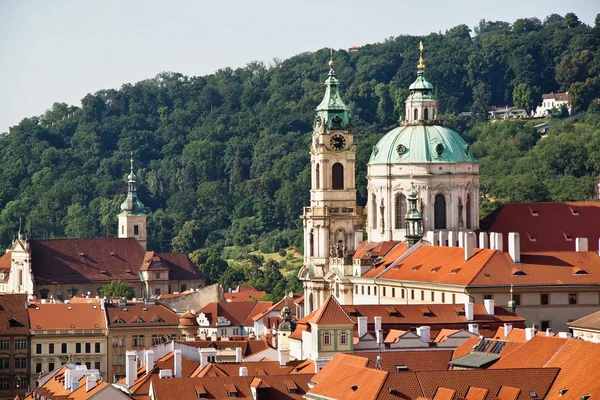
(132,220)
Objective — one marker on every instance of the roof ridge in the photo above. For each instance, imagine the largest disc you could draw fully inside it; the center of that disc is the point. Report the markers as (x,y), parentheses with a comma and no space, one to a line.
(483,265)
(557,351)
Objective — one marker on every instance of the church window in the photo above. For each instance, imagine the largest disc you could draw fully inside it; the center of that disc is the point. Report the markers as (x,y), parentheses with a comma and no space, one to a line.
(374,212)
(122,229)
(439,210)
(362,289)
(311,243)
(374,290)
(368,290)
(157,292)
(469,211)
(310,302)
(400,210)
(356,290)
(20,277)
(326,338)
(426,114)
(136,230)
(318,177)
(343,338)
(337,289)
(337,176)
(393,292)
(416,118)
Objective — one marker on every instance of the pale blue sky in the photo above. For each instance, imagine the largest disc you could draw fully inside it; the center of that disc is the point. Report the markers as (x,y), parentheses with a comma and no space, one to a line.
(60,50)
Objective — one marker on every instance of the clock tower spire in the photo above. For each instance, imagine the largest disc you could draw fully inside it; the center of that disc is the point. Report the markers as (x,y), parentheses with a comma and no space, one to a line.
(333,222)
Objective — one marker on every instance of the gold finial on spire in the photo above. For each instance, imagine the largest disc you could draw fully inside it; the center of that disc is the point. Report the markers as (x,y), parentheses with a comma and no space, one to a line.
(131,160)
(331,63)
(421,64)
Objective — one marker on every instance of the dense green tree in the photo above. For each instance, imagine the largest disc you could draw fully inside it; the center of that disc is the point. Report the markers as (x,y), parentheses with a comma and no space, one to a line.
(117,289)
(527,97)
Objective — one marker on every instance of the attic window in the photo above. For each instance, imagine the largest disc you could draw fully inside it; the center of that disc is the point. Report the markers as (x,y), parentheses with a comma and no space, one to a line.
(354,388)
(533,395)
(400,368)
(231,390)
(574,211)
(72,273)
(562,391)
(72,326)
(415,268)
(157,319)
(531,237)
(118,321)
(13,323)
(460,311)
(144,308)
(125,309)
(352,311)
(81,254)
(434,270)
(568,238)
(69,307)
(426,312)
(486,274)
(138,320)
(128,271)
(112,254)
(103,272)
(534,213)
(201,392)
(579,271)
(455,270)
(517,272)
(392,312)
(291,386)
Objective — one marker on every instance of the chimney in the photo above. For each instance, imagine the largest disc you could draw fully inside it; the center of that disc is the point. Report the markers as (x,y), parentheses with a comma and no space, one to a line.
(238,354)
(529,333)
(425,333)
(451,239)
(474,329)
(149,361)
(362,326)
(284,356)
(130,368)
(497,241)
(514,247)
(443,236)
(461,239)
(489,306)
(90,382)
(565,335)
(377,323)
(549,332)
(379,336)
(507,329)
(74,383)
(469,311)
(483,240)
(177,363)
(432,237)
(469,244)
(243,371)
(581,245)
(203,335)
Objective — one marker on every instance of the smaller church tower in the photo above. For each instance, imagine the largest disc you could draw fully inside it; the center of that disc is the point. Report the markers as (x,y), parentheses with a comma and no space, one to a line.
(132,220)
(413,219)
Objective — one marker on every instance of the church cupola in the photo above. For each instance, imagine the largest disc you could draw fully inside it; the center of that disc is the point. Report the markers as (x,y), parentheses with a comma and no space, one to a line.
(332,113)
(421,105)
(132,220)
(413,219)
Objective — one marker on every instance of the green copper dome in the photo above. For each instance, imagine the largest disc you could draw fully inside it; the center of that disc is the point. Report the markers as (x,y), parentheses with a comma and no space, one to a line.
(332,109)
(132,205)
(411,144)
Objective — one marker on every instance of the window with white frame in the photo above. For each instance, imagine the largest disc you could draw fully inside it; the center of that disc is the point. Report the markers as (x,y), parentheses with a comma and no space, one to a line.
(343,338)
(327,338)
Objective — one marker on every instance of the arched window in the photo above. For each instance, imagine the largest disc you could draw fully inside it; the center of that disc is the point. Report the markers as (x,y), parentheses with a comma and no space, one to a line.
(20,278)
(326,338)
(312,243)
(416,115)
(469,211)
(44,293)
(400,210)
(337,176)
(310,302)
(337,289)
(439,210)
(374,212)
(343,338)
(318,176)
(426,114)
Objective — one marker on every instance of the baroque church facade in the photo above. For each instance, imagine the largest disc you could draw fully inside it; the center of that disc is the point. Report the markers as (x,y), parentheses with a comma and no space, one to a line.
(422,180)
(63,268)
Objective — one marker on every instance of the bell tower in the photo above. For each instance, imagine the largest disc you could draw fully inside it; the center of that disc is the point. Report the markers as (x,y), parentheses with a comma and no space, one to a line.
(333,222)
(132,220)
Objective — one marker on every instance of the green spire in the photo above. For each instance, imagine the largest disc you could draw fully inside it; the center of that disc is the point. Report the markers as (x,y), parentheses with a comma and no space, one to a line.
(421,89)
(332,108)
(413,219)
(132,205)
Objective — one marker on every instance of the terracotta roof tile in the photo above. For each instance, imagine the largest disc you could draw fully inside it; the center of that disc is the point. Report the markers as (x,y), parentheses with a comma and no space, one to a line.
(14,319)
(151,314)
(336,362)
(244,296)
(419,360)
(331,313)
(351,382)
(66,316)
(388,259)
(591,321)
(443,334)
(238,313)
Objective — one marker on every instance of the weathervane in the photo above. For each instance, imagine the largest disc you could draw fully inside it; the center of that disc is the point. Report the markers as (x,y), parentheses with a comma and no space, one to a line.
(331,63)
(421,64)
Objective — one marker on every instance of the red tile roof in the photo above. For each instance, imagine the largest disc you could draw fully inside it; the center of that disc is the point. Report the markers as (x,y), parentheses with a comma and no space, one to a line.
(66,317)
(238,313)
(14,319)
(331,313)
(388,259)
(546,226)
(413,360)
(244,296)
(372,250)
(100,260)
(152,315)
(591,322)
(557,96)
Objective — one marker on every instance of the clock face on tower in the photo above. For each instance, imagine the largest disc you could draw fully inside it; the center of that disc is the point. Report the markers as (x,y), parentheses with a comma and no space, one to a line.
(338,142)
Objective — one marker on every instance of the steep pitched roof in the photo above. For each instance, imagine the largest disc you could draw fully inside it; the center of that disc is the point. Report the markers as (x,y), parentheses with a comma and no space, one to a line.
(389,258)
(413,360)
(546,226)
(591,321)
(14,319)
(331,313)
(351,382)
(151,315)
(244,295)
(238,313)
(180,266)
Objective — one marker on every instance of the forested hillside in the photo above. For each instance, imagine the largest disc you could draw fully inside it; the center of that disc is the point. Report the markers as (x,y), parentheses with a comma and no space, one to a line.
(223,159)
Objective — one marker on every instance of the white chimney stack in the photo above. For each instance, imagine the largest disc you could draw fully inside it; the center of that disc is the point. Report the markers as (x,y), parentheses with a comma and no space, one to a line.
(507,329)
(284,356)
(379,336)
(565,335)
(549,332)
(74,383)
(130,368)
(514,247)
(461,239)
(177,363)
(489,306)
(67,378)
(469,311)
(149,361)
(529,333)
(451,239)
(443,236)
(377,323)
(483,240)
(362,326)
(497,241)
(581,245)
(469,244)
(243,371)
(425,333)
(474,329)
(238,354)
(432,237)
(90,382)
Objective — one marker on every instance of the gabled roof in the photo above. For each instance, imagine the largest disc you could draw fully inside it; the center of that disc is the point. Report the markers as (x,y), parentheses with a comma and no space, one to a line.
(261,368)
(388,259)
(546,226)
(152,315)
(591,322)
(372,250)
(556,96)
(413,360)
(238,313)
(246,295)
(331,313)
